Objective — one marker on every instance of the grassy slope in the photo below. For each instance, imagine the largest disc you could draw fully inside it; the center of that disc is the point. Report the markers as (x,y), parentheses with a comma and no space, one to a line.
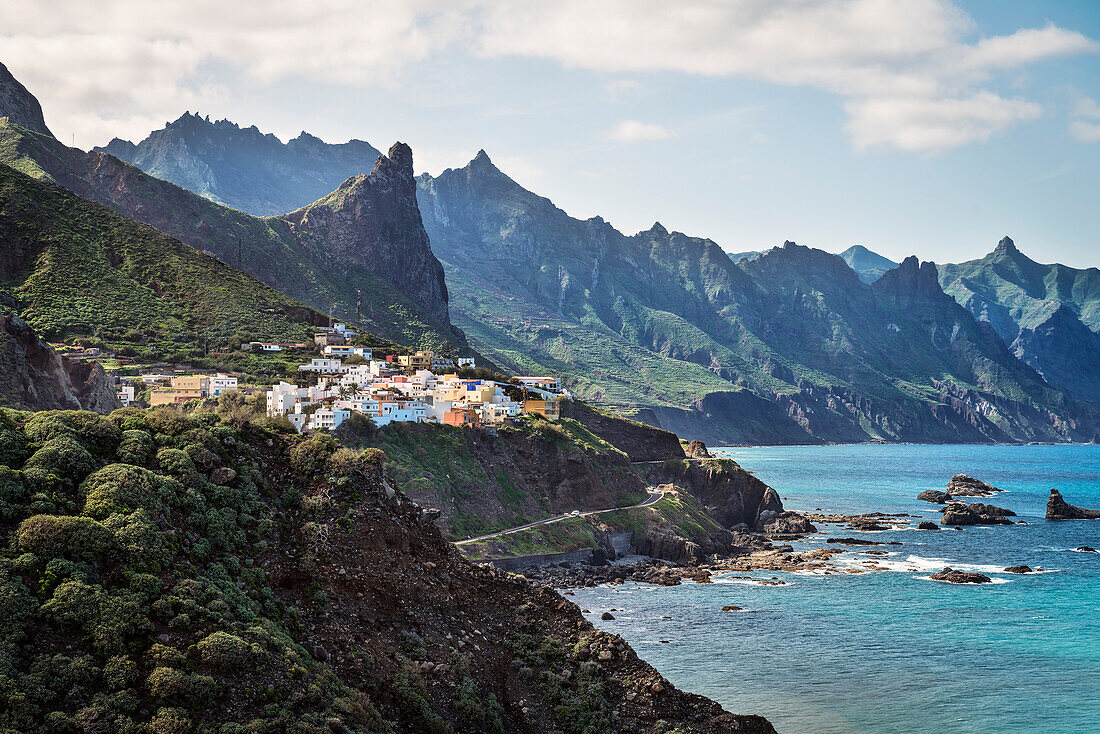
(77,268)
(269,251)
(484,483)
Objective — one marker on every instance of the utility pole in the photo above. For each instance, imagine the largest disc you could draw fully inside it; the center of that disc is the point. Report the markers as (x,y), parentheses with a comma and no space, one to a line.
(359,306)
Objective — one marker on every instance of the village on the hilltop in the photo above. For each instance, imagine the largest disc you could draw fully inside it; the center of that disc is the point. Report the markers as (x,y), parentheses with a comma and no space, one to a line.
(421,387)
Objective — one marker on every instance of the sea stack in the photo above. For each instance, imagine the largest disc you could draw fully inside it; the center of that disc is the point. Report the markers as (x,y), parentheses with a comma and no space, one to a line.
(1059,509)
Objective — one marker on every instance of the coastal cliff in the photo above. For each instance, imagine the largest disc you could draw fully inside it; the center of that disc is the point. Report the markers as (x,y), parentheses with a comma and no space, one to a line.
(164,592)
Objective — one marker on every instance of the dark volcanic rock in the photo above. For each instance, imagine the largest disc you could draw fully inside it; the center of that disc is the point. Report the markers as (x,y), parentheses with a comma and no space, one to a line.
(787,523)
(20,106)
(935,496)
(33,376)
(952,576)
(1019,569)
(958,513)
(925,525)
(607,616)
(697,450)
(852,541)
(373,220)
(1059,509)
(1086,549)
(962,485)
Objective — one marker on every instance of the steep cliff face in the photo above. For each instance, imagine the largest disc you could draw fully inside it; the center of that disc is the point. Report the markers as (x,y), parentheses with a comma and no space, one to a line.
(789,346)
(730,494)
(243,167)
(35,377)
(20,106)
(372,220)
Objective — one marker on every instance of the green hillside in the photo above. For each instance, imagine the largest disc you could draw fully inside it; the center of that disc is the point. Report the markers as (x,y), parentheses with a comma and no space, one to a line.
(71,267)
(267,248)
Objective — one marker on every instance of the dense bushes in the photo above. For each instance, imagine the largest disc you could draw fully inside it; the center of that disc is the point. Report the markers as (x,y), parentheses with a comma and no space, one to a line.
(117,538)
(65,536)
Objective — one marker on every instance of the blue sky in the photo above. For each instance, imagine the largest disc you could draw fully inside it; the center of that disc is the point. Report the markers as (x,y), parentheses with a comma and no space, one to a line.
(921,127)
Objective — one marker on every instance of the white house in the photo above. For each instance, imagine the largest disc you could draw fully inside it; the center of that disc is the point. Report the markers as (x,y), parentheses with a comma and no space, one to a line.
(326,419)
(320,364)
(125,395)
(549,384)
(465,362)
(345,351)
(219,383)
(282,398)
(154,379)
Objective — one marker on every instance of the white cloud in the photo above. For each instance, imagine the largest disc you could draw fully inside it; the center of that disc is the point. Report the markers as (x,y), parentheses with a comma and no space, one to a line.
(904,68)
(616,88)
(1085,132)
(929,124)
(633,131)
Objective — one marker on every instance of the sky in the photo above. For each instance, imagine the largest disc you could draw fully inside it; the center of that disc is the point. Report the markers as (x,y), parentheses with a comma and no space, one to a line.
(927,127)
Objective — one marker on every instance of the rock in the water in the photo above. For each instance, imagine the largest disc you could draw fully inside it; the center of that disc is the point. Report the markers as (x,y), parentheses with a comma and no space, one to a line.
(1086,549)
(1059,509)
(1019,569)
(788,523)
(952,576)
(935,496)
(852,541)
(731,608)
(607,616)
(925,525)
(962,485)
(957,513)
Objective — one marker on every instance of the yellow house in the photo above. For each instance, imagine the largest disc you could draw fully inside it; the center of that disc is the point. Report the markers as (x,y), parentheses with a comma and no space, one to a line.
(162,396)
(414,362)
(191,387)
(549,408)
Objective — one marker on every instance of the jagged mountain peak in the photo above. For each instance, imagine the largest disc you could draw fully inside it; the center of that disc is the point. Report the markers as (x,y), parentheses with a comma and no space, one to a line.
(1006,246)
(19,105)
(400,155)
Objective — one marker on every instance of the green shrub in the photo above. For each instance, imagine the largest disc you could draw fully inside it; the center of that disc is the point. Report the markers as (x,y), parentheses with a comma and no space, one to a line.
(75,603)
(170,721)
(125,488)
(136,447)
(13,493)
(129,419)
(175,461)
(120,672)
(225,651)
(167,421)
(94,431)
(311,456)
(61,461)
(65,536)
(17,608)
(13,447)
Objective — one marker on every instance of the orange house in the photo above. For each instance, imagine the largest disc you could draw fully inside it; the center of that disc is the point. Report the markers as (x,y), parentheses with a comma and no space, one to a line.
(460,418)
(550,409)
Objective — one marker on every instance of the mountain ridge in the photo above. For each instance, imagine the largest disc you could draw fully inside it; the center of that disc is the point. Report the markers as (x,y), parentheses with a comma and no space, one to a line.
(791,346)
(242,167)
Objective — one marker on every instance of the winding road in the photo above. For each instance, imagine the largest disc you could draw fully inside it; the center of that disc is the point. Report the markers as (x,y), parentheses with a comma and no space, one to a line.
(655,496)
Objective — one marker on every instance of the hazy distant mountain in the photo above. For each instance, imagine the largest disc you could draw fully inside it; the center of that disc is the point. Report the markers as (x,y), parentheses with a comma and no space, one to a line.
(242,167)
(20,106)
(747,255)
(869,266)
(1049,315)
(790,346)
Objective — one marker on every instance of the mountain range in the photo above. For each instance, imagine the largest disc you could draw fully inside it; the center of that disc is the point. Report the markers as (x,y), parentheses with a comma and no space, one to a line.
(787,345)
(790,346)
(242,167)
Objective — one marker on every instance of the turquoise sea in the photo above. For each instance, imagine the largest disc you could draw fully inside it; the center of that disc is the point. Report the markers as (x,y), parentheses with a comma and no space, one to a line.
(892,651)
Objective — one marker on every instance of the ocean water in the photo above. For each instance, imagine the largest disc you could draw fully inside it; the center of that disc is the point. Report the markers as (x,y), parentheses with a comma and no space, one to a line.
(892,651)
